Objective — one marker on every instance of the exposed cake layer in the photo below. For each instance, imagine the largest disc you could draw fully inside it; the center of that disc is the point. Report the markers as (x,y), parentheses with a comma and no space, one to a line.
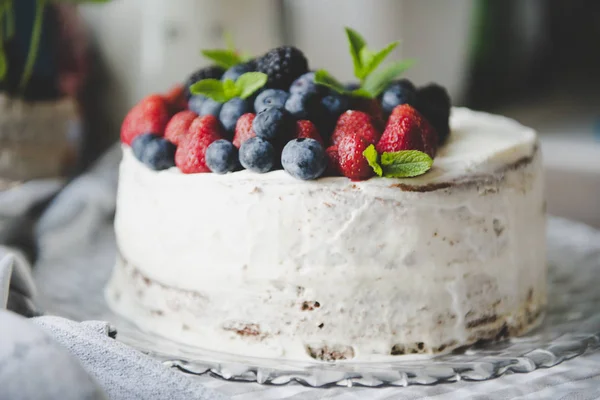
(267,265)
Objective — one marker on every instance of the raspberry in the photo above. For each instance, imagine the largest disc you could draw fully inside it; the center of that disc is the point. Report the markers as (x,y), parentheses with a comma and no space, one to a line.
(148,116)
(408,130)
(178,126)
(176,99)
(353,163)
(307,130)
(191,153)
(355,122)
(333,162)
(282,66)
(373,108)
(244,129)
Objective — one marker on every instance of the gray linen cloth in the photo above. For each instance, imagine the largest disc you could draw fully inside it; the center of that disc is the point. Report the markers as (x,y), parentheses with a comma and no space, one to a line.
(48,357)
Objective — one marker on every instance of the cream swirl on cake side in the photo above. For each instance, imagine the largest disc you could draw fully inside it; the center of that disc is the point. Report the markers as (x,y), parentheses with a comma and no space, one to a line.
(270,266)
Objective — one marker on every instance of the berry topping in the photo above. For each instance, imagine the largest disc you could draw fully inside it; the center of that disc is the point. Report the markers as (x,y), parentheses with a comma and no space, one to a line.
(138,145)
(408,130)
(355,123)
(191,153)
(398,93)
(303,105)
(222,157)
(282,65)
(178,126)
(176,99)
(211,107)
(433,102)
(373,108)
(257,155)
(232,111)
(270,98)
(353,163)
(244,129)
(334,104)
(212,72)
(150,115)
(333,161)
(307,130)
(238,70)
(304,159)
(195,103)
(159,154)
(306,84)
(273,124)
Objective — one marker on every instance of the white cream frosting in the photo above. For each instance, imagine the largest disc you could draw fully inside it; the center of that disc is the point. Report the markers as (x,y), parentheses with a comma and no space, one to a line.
(238,263)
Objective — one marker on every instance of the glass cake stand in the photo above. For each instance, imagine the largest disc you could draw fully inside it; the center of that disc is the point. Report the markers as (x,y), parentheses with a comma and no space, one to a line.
(571,328)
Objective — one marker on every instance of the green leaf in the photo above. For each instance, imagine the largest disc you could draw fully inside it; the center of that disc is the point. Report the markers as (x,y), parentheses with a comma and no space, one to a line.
(223,58)
(405,164)
(3,65)
(247,84)
(361,93)
(378,81)
(324,78)
(366,57)
(373,159)
(355,43)
(229,89)
(212,88)
(373,61)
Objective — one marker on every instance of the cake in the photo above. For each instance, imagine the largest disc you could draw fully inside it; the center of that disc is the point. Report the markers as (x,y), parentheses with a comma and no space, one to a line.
(346,265)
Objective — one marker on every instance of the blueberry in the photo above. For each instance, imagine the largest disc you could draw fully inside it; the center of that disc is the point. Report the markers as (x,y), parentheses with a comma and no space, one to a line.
(304,159)
(159,154)
(211,107)
(303,105)
(270,98)
(258,155)
(433,101)
(236,71)
(232,111)
(305,84)
(222,157)
(334,104)
(195,103)
(399,92)
(140,143)
(272,123)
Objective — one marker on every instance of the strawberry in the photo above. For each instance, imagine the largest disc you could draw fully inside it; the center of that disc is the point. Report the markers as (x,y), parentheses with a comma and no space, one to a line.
(176,100)
(407,129)
(190,156)
(355,122)
(178,126)
(353,163)
(308,130)
(373,108)
(243,129)
(149,116)
(333,161)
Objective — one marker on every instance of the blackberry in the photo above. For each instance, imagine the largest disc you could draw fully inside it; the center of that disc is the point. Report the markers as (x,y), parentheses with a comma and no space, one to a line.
(282,65)
(211,72)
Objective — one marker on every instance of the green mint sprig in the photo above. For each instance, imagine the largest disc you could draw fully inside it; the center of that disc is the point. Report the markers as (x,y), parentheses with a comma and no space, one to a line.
(226,58)
(398,164)
(223,91)
(366,63)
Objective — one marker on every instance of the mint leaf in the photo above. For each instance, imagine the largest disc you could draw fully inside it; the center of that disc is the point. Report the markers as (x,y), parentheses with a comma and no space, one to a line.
(378,81)
(223,58)
(249,83)
(371,64)
(372,158)
(355,43)
(229,89)
(405,164)
(366,57)
(323,78)
(361,93)
(212,88)
(3,64)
